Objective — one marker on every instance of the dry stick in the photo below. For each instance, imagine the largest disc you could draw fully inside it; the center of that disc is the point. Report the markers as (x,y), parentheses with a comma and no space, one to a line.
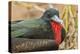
(71,32)
(38,8)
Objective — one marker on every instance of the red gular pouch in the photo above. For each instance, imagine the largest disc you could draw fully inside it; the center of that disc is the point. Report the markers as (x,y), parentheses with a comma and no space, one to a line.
(56,27)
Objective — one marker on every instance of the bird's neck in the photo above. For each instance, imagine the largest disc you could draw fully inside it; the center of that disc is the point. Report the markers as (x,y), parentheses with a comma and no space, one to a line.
(56,27)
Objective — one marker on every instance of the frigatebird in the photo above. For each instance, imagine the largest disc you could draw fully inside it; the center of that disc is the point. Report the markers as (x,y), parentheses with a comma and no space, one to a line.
(47,30)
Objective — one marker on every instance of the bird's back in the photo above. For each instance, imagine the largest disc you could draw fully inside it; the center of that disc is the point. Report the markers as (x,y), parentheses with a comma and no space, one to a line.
(32,28)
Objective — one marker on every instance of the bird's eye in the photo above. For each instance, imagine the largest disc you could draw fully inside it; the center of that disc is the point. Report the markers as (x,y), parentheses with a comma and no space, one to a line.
(49,15)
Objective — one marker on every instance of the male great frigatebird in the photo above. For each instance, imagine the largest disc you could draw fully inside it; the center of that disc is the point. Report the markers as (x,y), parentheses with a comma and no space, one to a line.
(47,30)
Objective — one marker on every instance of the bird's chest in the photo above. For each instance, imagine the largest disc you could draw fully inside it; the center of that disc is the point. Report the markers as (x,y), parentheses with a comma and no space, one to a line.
(52,30)
(47,32)
(57,32)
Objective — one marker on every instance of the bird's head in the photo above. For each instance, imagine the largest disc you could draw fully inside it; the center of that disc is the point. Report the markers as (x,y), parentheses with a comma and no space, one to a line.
(52,14)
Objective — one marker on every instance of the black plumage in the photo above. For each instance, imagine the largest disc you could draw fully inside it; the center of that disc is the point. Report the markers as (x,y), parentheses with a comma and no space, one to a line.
(35,34)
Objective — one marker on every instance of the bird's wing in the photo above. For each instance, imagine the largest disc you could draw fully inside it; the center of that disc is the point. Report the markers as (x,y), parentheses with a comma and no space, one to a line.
(18,32)
(14,22)
(32,23)
(28,27)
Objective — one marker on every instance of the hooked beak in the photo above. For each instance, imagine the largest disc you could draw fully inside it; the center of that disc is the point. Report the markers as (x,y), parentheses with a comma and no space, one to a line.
(57,19)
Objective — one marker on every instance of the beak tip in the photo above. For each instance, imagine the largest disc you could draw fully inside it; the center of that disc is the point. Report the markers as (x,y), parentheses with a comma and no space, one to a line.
(57,19)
